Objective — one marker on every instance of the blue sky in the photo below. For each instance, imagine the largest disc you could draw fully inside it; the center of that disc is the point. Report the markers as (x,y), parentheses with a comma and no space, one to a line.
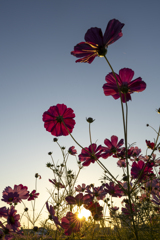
(38,71)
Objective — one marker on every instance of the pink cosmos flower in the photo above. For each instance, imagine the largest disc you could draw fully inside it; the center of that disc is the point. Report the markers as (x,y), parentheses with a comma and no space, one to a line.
(95,209)
(95,43)
(122,153)
(71,223)
(81,189)
(134,154)
(90,154)
(55,118)
(122,163)
(113,146)
(150,145)
(13,219)
(137,168)
(57,184)
(15,195)
(97,192)
(125,186)
(113,190)
(127,87)
(33,195)
(52,214)
(22,191)
(72,150)
(152,186)
(79,199)
(10,197)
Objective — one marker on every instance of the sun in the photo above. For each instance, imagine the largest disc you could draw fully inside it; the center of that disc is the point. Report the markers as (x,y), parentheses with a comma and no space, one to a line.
(84,213)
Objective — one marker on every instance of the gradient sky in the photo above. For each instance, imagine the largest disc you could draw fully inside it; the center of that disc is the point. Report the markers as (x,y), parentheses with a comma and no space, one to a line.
(38,71)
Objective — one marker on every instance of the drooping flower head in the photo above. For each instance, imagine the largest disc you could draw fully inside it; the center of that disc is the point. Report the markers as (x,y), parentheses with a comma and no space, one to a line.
(150,145)
(52,214)
(57,184)
(90,154)
(57,118)
(122,163)
(72,150)
(127,87)
(95,43)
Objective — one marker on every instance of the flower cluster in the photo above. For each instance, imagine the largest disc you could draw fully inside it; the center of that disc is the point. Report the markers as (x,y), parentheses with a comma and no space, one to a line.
(139,186)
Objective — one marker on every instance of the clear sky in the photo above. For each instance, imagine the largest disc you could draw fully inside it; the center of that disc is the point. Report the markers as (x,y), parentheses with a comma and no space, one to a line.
(37,71)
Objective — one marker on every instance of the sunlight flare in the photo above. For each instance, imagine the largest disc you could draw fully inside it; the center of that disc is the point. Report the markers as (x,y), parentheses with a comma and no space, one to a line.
(84,213)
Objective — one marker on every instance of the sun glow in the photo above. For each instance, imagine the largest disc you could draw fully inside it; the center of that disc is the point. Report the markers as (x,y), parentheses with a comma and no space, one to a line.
(84,213)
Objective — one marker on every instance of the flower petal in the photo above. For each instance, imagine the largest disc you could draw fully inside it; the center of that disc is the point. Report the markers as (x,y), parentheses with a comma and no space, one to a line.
(126,75)
(113,31)
(94,35)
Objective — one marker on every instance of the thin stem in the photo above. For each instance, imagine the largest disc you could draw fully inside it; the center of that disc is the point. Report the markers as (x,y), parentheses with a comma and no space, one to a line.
(124,127)
(105,169)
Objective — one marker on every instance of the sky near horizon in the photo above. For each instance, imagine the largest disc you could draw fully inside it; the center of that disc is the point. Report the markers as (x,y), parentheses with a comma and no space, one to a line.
(38,71)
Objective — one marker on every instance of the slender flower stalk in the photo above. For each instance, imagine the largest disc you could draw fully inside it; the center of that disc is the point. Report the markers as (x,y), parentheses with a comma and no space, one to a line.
(126,147)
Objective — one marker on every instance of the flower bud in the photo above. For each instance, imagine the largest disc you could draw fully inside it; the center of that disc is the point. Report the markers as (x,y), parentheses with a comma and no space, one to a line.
(158,110)
(90,120)
(55,139)
(36,175)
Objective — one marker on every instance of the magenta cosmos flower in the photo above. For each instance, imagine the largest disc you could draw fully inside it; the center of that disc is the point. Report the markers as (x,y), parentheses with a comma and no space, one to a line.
(95,209)
(72,150)
(81,189)
(150,145)
(113,190)
(33,195)
(15,195)
(95,43)
(97,192)
(127,87)
(79,199)
(112,147)
(90,154)
(71,223)
(13,219)
(137,169)
(55,118)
